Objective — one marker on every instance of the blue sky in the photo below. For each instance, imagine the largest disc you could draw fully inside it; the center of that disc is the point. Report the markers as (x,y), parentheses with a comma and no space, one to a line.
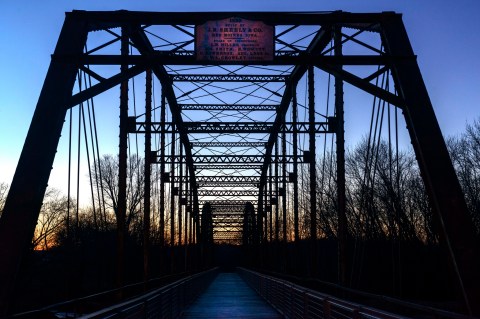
(444,34)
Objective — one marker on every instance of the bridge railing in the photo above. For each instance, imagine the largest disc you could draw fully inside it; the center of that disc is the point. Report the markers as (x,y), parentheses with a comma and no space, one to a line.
(294,301)
(166,302)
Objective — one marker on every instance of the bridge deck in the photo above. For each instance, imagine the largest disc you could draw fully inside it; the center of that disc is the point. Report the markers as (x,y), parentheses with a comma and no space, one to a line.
(228,296)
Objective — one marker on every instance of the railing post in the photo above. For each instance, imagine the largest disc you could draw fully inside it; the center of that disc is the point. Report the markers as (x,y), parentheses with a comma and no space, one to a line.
(327,308)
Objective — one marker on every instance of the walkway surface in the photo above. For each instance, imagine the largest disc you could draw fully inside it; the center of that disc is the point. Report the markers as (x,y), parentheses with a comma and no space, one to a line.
(228,296)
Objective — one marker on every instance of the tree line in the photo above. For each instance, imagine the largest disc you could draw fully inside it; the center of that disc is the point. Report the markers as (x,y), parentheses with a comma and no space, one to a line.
(385,196)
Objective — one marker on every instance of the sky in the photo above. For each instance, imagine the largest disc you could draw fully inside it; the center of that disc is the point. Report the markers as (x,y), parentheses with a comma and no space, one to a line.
(445,36)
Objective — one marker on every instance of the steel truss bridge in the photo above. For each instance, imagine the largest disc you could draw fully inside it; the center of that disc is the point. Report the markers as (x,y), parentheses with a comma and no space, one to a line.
(228,132)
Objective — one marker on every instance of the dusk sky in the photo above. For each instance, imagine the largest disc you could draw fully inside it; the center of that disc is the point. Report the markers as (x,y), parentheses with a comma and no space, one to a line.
(445,36)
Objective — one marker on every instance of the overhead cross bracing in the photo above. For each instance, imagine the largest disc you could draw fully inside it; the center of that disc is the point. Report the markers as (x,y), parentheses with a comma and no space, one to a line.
(230,107)
(234,127)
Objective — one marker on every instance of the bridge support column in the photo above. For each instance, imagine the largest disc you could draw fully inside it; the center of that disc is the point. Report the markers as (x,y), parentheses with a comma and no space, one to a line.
(29,183)
(441,182)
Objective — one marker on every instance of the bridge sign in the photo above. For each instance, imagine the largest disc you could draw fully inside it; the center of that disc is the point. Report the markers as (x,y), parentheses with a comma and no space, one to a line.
(234,40)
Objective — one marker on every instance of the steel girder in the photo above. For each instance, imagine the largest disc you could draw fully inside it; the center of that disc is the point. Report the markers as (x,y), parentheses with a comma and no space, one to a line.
(228,144)
(227,166)
(223,202)
(231,159)
(234,127)
(113,19)
(228,107)
(227,78)
(228,210)
(226,179)
(159,57)
(220,193)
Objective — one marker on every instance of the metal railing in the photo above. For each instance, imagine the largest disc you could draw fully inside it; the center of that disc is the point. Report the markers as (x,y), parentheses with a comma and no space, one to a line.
(294,301)
(165,302)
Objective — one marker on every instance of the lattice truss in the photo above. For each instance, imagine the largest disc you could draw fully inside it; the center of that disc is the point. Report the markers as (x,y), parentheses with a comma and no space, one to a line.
(228,118)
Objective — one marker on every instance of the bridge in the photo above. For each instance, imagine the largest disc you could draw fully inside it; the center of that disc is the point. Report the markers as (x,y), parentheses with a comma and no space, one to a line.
(240,119)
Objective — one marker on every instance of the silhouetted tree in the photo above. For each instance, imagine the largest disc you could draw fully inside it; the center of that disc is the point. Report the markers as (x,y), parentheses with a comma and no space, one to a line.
(465,153)
(51,220)
(108,183)
(3,196)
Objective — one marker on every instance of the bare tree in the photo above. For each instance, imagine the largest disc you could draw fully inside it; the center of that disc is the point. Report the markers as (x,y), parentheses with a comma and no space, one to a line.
(51,220)
(386,195)
(465,153)
(108,183)
(3,196)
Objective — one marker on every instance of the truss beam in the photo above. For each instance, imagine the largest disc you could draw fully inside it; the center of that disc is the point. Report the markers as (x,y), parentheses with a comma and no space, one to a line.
(230,159)
(222,202)
(225,179)
(235,127)
(228,167)
(227,78)
(222,192)
(111,19)
(188,58)
(228,107)
(229,144)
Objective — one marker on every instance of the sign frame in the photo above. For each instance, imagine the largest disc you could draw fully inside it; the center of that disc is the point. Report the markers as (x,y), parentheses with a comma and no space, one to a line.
(234,39)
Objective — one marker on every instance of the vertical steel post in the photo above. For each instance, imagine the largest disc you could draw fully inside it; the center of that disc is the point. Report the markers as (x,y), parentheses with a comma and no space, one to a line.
(284,198)
(266,212)
(163,180)
(284,183)
(122,165)
(172,201)
(172,190)
(187,204)
(191,229)
(277,217)
(180,196)
(340,143)
(29,183)
(147,173)
(313,173)
(260,212)
(270,221)
(187,219)
(295,163)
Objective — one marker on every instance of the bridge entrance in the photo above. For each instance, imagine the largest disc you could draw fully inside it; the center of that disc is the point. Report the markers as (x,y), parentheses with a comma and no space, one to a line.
(236,110)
